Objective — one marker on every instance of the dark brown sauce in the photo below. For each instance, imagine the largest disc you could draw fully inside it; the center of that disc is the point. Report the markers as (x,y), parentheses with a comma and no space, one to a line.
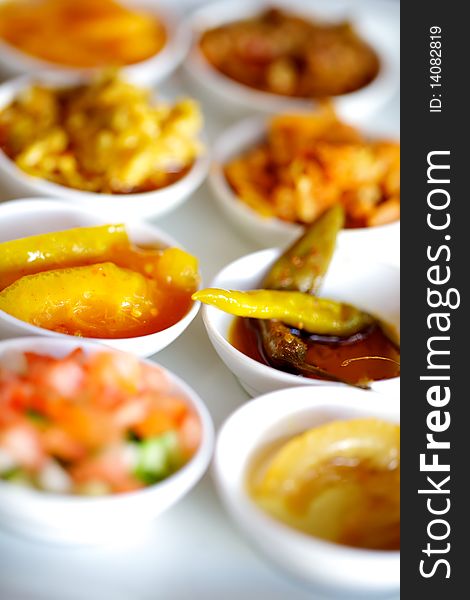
(329,353)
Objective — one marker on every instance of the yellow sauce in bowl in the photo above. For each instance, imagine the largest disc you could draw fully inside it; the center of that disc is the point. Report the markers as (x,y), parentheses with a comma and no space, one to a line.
(339,482)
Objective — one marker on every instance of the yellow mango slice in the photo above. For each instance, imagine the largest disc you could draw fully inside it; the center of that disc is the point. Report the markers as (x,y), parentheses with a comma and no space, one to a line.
(177,268)
(102,301)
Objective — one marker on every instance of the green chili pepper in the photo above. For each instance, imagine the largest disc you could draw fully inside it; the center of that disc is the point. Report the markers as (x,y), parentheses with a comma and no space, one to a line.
(302,267)
(313,251)
(299,310)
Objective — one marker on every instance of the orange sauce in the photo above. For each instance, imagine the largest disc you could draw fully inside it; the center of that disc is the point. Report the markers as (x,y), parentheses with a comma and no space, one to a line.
(97,322)
(75,313)
(81,33)
(329,353)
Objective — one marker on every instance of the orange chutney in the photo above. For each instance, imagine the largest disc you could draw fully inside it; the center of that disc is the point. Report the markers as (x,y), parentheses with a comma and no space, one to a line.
(81,33)
(93,282)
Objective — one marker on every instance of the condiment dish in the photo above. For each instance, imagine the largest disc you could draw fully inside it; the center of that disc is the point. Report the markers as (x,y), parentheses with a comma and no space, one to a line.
(271,231)
(155,203)
(92,520)
(375,24)
(14,62)
(22,218)
(329,568)
(366,283)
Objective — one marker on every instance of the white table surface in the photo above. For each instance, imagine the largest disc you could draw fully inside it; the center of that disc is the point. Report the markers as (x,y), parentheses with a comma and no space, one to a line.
(192,551)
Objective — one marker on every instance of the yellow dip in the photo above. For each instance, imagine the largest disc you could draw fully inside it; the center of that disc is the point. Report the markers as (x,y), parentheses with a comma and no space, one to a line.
(339,482)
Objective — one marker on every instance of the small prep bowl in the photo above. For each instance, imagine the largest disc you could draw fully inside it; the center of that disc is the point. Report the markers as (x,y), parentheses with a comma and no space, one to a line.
(377,23)
(369,285)
(93,520)
(23,218)
(153,70)
(156,203)
(331,568)
(270,232)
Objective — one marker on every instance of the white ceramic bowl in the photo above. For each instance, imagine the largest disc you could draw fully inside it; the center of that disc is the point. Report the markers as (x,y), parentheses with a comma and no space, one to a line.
(90,520)
(376,22)
(18,184)
(329,568)
(22,218)
(384,240)
(14,62)
(370,285)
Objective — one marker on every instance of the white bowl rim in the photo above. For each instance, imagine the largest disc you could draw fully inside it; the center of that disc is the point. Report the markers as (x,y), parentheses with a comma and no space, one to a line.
(196,61)
(198,462)
(34,204)
(225,194)
(167,58)
(302,401)
(192,179)
(266,370)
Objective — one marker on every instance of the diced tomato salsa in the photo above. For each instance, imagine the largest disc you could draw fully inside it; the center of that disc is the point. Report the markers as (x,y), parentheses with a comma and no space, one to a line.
(92,424)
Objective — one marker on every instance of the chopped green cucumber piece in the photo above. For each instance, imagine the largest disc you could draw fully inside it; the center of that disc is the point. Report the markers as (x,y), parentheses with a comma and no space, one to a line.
(18,476)
(36,417)
(158,457)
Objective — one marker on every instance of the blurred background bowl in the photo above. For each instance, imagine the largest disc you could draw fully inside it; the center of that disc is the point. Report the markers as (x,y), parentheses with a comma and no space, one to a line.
(14,62)
(156,203)
(269,232)
(372,21)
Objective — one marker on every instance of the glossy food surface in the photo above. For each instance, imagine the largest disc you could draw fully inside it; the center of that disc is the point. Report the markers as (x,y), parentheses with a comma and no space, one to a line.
(93,282)
(367,356)
(339,482)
